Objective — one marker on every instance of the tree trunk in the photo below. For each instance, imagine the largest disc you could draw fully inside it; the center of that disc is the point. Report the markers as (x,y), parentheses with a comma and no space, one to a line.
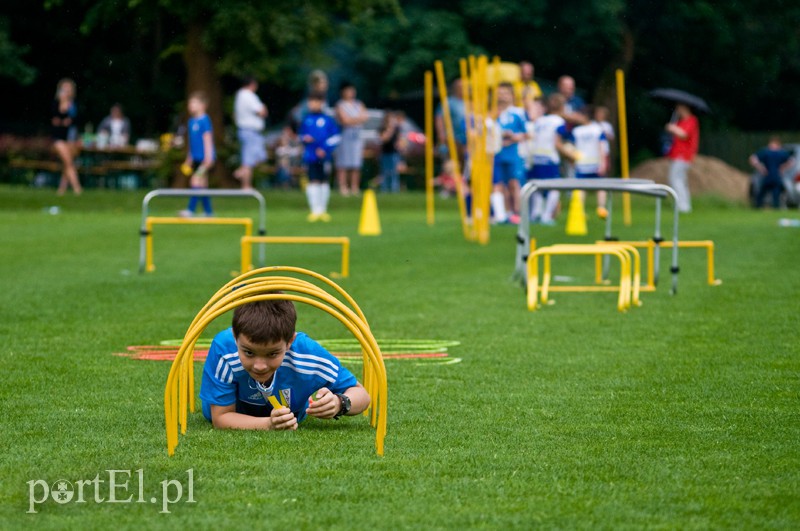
(201,75)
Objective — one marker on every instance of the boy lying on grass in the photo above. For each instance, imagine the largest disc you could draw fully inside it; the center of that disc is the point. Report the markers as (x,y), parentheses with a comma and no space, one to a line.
(260,374)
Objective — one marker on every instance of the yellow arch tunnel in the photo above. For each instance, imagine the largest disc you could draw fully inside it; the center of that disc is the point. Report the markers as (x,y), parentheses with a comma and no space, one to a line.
(258,285)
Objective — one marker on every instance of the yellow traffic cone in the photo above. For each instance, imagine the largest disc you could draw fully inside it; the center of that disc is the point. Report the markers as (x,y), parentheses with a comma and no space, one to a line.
(370,223)
(576,216)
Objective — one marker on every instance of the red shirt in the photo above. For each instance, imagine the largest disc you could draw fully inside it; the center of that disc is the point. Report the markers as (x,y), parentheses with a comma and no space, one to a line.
(686,148)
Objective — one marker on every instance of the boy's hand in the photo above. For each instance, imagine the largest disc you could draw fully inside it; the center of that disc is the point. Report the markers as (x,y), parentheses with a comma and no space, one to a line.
(283,419)
(321,153)
(326,406)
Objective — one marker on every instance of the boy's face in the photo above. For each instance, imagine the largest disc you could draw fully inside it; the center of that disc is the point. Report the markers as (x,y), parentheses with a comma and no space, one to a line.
(261,360)
(314,105)
(504,95)
(196,106)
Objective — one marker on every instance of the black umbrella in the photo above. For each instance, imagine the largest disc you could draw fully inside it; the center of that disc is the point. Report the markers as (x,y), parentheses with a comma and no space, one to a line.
(680,96)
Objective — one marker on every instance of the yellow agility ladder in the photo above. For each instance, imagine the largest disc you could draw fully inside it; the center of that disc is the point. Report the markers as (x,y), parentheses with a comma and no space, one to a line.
(260,285)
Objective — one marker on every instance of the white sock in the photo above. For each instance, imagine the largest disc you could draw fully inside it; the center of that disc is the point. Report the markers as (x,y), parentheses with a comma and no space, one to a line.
(311,195)
(324,197)
(538,205)
(552,203)
(498,201)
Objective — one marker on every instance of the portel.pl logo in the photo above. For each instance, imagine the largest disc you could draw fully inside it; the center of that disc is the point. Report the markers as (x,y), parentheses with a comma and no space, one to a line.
(121,486)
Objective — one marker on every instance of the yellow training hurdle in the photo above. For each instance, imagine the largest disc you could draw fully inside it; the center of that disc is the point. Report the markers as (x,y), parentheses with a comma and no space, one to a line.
(150,221)
(259,285)
(650,245)
(630,265)
(248,241)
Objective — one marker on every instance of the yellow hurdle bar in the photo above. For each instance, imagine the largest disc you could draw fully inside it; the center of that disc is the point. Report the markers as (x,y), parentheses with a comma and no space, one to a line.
(150,221)
(650,245)
(344,241)
(629,285)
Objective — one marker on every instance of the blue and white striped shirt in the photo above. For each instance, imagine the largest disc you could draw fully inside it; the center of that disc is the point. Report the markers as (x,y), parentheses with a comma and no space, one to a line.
(306,368)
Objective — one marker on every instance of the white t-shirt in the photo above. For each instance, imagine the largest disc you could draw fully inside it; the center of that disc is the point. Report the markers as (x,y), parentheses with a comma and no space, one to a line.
(246,109)
(545,129)
(591,141)
(117,132)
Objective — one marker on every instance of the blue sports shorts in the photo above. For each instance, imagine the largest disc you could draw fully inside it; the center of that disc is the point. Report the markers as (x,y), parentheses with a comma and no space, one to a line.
(505,171)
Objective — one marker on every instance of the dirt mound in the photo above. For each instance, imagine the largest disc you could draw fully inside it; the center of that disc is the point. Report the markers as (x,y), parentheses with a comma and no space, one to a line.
(708,175)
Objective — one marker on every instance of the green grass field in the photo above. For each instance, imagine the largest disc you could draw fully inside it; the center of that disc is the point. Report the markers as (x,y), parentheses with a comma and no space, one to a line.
(680,414)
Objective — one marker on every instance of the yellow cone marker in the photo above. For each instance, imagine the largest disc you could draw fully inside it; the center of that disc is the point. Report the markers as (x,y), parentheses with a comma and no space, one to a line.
(370,223)
(576,216)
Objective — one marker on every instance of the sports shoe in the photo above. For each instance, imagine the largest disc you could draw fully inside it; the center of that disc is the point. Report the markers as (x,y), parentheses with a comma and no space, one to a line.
(186,213)
(513,219)
(324,217)
(311,218)
(602,213)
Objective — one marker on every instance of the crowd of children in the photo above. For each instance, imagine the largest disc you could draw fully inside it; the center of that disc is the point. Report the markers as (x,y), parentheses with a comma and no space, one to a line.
(538,138)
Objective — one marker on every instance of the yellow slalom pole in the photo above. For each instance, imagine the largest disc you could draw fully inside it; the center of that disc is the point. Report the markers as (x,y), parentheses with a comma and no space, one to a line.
(623,144)
(429,147)
(475,153)
(451,144)
(483,183)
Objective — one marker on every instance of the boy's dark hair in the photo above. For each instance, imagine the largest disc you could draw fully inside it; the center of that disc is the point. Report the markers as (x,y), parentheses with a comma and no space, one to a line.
(506,84)
(316,96)
(346,85)
(265,322)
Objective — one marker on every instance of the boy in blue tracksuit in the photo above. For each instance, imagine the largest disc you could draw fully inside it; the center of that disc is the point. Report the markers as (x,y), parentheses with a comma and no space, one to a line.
(320,135)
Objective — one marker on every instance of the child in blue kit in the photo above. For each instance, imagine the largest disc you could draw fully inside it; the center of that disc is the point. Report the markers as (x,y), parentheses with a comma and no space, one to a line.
(260,374)
(508,167)
(201,156)
(320,135)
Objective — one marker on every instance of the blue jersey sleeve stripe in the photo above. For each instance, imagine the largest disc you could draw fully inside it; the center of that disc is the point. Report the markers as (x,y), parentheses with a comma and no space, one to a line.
(312,357)
(220,366)
(315,366)
(325,376)
(314,361)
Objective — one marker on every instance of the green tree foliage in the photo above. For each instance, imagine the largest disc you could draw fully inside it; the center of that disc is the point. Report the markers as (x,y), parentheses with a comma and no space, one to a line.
(743,56)
(398,50)
(12,63)
(232,37)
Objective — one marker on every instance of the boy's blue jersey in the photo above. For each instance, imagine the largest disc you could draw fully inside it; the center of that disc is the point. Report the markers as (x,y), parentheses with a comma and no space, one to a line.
(324,131)
(511,120)
(306,368)
(197,127)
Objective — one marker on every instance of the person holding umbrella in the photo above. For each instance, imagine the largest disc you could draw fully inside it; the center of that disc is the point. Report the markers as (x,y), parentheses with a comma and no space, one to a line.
(685,131)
